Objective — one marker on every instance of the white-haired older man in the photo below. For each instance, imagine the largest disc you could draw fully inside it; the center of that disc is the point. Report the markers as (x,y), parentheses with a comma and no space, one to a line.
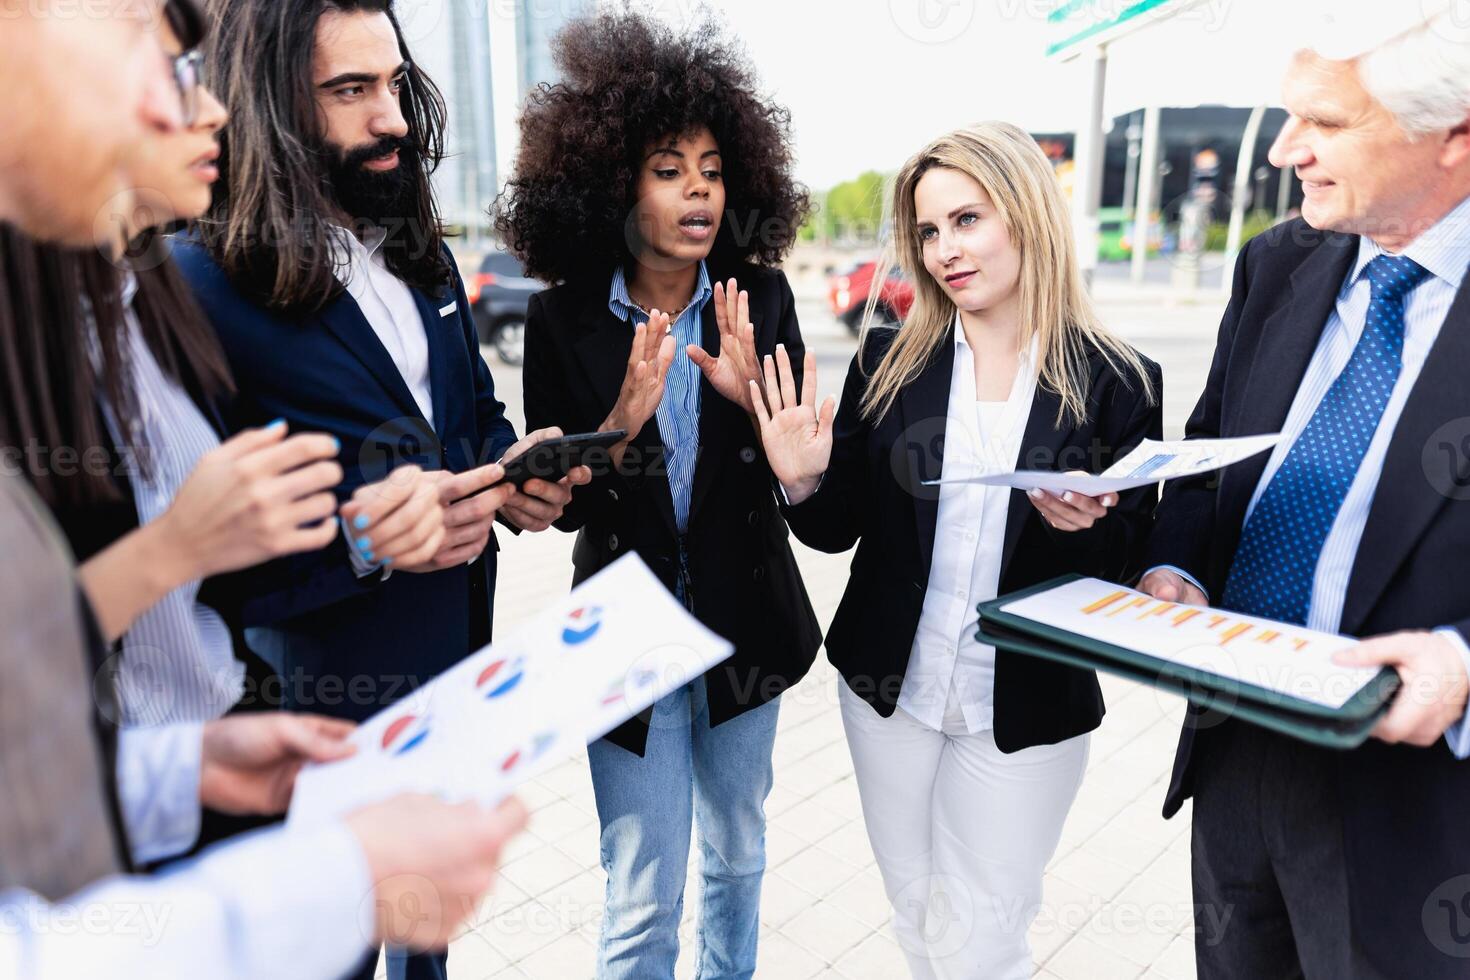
(1348,331)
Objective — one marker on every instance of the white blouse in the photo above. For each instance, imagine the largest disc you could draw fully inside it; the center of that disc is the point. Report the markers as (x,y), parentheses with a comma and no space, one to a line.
(946,660)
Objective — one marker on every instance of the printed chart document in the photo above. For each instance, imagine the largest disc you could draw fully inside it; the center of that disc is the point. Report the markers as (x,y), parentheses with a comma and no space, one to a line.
(1150,462)
(1289,660)
(503,715)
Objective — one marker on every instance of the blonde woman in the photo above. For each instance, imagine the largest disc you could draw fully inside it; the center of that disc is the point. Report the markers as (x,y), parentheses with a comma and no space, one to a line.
(967,759)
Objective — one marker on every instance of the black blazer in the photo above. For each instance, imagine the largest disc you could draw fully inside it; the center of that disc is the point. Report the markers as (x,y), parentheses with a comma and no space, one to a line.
(872,495)
(1404,808)
(745,583)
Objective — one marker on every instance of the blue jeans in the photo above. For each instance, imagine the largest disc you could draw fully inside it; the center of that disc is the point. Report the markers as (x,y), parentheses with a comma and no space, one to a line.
(647,806)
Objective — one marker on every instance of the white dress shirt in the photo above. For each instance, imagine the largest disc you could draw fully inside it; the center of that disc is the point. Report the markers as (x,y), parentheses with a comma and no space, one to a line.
(969,535)
(279,902)
(1444,250)
(389,307)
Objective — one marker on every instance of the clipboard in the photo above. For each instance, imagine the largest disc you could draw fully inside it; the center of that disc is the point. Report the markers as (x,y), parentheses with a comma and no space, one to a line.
(1342,727)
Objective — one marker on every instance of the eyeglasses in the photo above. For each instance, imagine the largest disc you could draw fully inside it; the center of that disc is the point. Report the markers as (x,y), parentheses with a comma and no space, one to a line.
(189,74)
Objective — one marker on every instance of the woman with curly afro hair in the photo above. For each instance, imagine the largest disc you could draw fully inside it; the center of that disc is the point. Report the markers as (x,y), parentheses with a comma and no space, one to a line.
(653,191)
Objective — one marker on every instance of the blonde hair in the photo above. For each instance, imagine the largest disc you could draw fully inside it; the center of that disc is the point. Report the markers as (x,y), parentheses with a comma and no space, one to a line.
(1055,308)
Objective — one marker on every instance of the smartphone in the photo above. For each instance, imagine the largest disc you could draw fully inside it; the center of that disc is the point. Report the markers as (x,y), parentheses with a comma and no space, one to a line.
(555,458)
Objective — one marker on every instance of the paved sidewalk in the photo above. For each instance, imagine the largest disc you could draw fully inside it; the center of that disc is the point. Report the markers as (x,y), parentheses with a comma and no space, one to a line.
(1116,901)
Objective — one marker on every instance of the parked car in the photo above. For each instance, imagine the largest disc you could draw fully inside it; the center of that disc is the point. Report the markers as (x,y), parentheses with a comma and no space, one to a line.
(498,296)
(848,289)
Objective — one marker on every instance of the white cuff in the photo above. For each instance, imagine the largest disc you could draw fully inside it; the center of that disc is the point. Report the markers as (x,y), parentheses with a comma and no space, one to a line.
(361,567)
(158,788)
(1457,736)
(1182,574)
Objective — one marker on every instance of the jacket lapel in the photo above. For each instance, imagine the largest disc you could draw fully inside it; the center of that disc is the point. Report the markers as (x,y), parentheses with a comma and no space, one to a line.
(602,351)
(924,406)
(1416,480)
(1289,337)
(1041,447)
(442,377)
(345,320)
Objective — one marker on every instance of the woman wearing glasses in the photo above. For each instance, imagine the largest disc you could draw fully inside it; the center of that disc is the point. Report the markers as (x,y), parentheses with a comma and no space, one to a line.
(117,380)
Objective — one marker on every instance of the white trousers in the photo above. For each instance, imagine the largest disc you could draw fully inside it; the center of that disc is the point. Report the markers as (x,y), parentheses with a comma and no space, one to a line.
(962,833)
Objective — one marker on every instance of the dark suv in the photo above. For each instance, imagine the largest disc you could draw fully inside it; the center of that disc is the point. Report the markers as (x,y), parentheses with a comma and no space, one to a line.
(498,295)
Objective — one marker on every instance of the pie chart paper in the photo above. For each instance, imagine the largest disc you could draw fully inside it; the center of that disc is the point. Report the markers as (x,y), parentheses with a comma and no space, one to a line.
(511,711)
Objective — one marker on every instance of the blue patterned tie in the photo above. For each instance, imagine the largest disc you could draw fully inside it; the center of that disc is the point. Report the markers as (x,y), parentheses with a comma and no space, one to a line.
(1276,562)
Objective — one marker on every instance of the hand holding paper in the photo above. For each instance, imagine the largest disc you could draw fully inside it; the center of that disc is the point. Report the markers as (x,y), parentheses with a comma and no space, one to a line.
(505,714)
(1151,462)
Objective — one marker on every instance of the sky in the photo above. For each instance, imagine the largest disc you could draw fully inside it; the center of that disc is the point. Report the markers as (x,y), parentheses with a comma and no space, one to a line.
(870,81)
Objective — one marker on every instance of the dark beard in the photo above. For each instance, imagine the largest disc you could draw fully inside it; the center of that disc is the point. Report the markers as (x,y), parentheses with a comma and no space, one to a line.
(372,196)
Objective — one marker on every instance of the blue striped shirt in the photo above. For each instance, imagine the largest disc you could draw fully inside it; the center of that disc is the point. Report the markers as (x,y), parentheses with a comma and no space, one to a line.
(678,411)
(177,661)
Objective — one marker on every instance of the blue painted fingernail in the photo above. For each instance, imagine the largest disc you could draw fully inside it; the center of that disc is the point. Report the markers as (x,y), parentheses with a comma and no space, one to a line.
(365,544)
(387,561)
(367,556)
(360,521)
(277,422)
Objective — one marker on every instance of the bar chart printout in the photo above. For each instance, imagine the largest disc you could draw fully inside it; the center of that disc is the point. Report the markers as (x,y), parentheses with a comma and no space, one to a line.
(1278,657)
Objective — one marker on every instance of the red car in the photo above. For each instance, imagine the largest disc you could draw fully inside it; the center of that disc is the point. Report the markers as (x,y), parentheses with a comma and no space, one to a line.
(847,294)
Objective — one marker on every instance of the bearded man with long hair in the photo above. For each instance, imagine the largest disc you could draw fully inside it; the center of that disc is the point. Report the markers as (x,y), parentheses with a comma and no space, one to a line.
(322,266)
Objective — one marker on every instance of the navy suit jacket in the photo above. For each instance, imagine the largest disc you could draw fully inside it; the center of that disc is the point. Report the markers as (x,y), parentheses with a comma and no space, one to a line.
(347,646)
(1403,808)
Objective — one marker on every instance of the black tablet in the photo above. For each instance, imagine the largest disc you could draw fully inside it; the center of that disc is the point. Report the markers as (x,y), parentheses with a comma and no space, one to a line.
(555,458)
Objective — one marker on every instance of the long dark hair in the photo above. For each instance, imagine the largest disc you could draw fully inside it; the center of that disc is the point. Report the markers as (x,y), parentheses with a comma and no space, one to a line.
(270,224)
(52,301)
(49,412)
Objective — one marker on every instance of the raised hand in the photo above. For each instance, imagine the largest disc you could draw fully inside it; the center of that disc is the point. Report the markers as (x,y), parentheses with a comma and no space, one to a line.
(796,435)
(738,365)
(643,382)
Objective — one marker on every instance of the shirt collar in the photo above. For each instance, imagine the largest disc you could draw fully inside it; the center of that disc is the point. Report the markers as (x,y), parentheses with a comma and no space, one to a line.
(622,306)
(1028,356)
(348,250)
(1444,249)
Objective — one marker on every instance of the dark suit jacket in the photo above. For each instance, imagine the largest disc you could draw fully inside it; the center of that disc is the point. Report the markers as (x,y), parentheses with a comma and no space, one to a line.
(1403,808)
(745,583)
(348,646)
(871,495)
